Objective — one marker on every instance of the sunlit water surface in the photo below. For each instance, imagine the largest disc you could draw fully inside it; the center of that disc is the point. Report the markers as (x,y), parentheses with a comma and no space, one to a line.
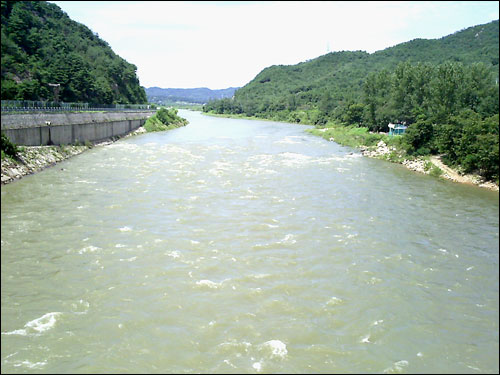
(236,246)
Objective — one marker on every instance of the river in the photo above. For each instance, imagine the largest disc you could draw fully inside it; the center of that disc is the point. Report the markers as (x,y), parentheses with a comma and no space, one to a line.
(240,246)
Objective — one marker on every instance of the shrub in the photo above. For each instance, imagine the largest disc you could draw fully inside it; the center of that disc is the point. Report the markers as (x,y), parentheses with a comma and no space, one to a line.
(8,148)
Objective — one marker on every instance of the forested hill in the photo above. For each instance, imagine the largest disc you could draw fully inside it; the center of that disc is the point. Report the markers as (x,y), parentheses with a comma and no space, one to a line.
(41,45)
(337,78)
(445,90)
(199,95)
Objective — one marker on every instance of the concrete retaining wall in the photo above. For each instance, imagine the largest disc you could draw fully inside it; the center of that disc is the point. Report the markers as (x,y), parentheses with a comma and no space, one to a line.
(69,128)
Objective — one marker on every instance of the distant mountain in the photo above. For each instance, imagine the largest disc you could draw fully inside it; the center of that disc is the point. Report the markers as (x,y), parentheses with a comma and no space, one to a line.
(199,95)
(43,47)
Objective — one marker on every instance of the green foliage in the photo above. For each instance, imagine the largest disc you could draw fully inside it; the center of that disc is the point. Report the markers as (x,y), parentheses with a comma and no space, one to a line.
(42,45)
(471,142)
(352,136)
(418,137)
(164,119)
(435,171)
(446,91)
(354,114)
(8,148)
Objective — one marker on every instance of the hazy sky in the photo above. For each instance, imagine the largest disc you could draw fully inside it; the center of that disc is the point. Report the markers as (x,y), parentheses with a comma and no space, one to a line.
(220,44)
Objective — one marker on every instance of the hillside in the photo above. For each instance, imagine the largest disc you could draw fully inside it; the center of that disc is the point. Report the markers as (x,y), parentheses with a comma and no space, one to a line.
(199,95)
(41,45)
(341,75)
(444,90)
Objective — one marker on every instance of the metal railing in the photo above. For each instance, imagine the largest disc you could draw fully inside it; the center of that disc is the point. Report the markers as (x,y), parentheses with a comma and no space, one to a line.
(31,106)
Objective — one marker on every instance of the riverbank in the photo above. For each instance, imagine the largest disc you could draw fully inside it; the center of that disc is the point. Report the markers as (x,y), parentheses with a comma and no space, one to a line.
(33,159)
(432,165)
(381,146)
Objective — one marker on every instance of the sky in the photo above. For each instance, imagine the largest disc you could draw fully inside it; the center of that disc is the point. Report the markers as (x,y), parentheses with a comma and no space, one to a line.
(221,44)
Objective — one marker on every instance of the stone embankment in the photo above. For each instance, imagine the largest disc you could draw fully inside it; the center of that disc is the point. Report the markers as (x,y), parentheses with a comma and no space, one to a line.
(32,159)
(382,151)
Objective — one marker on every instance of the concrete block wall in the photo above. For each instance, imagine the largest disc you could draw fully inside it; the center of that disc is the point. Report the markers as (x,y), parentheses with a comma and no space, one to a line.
(69,128)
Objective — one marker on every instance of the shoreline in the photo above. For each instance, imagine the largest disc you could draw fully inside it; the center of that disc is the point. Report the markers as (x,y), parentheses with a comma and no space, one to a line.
(33,159)
(432,165)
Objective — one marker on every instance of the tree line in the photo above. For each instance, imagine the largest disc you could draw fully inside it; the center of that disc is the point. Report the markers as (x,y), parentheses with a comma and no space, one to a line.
(445,91)
(41,46)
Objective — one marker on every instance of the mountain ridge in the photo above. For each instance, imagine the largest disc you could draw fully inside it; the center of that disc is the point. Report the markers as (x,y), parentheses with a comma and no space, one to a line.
(198,95)
(43,46)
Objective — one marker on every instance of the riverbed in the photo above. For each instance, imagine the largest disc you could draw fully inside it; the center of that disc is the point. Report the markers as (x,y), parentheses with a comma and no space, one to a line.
(244,246)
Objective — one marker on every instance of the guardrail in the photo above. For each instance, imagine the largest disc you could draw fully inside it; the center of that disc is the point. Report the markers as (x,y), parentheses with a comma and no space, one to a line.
(33,106)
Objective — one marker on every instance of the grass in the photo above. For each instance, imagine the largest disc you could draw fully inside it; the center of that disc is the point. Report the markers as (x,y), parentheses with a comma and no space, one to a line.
(354,136)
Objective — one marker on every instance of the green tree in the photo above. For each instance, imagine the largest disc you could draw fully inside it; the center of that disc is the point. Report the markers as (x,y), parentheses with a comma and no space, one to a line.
(418,138)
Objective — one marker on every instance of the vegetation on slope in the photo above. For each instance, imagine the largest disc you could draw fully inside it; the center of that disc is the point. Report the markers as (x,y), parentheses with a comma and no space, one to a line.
(164,119)
(445,91)
(8,149)
(41,45)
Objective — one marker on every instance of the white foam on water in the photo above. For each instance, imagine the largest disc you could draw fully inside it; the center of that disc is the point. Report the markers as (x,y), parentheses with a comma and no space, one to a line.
(42,324)
(90,249)
(261,275)
(10,355)
(294,159)
(366,339)
(208,283)
(226,361)
(125,229)
(119,245)
(396,368)
(288,239)
(278,348)
(272,226)
(21,332)
(128,259)
(30,364)
(257,366)
(174,254)
(334,301)
(474,368)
